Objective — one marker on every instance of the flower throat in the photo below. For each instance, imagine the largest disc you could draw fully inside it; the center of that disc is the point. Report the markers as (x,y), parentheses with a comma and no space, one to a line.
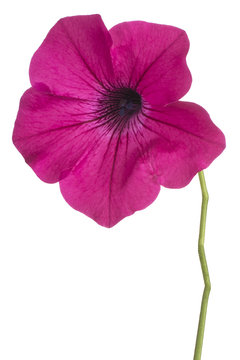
(118,106)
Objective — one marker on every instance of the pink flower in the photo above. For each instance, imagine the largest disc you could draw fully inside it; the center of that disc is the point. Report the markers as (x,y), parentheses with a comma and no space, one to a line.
(103,118)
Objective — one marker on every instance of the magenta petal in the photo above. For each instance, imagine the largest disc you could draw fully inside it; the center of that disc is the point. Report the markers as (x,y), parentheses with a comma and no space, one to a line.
(74,57)
(193,142)
(114,182)
(52,133)
(152,59)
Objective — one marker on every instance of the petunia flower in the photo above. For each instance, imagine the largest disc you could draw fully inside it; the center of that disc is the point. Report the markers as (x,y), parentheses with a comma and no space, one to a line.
(103,116)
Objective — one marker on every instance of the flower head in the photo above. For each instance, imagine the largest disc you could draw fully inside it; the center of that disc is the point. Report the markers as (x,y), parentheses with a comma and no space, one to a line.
(103,118)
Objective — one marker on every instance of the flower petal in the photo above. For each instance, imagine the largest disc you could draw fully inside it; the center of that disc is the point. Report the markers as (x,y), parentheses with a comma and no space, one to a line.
(74,57)
(194,142)
(152,59)
(114,182)
(52,133)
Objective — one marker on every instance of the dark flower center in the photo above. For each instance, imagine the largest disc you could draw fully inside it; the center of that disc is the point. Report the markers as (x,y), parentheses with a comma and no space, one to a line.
(118,106)
(129,103)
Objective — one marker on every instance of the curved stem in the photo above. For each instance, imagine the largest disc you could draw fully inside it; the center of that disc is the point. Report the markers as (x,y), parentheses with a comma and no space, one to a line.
(203,261)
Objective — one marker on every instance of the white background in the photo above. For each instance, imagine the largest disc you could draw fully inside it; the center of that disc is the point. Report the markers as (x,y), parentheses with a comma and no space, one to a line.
(71,289)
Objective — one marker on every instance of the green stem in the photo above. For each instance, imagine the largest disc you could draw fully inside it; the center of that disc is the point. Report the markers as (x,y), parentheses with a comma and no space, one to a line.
(203,261)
